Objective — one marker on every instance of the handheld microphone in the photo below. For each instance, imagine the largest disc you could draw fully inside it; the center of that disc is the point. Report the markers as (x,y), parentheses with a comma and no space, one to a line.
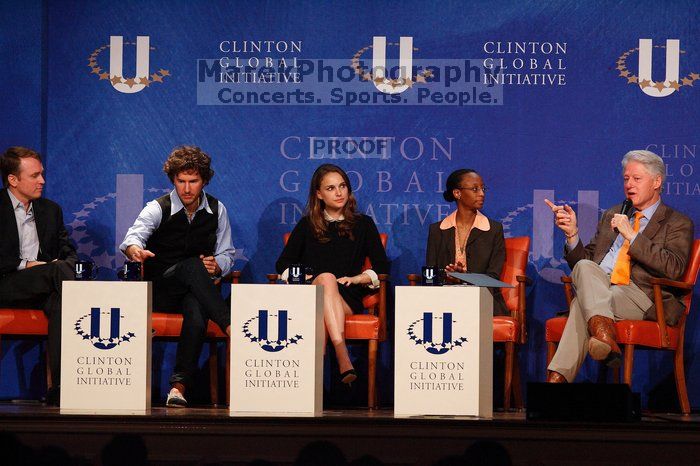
(626,209)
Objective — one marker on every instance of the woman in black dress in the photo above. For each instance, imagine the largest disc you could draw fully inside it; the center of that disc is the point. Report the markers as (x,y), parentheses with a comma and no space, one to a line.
(466,240)
(333,239)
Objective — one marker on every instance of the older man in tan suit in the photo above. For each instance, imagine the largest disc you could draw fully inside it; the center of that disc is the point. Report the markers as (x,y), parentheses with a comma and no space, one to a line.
(611,274)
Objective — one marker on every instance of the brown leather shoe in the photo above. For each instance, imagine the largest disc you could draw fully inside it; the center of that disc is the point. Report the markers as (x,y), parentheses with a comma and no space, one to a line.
(556,377)
(602,345)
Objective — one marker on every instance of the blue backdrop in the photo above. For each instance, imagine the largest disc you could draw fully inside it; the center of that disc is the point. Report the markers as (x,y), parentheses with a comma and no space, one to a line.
(563,99)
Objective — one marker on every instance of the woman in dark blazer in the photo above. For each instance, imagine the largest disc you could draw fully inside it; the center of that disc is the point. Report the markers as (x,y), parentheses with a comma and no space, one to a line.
(466,240)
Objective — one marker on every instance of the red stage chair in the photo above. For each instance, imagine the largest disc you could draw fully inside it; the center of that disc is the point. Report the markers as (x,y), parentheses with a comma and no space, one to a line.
(26,322)
(29,322)
(511,329)
(370,326)
(645,333)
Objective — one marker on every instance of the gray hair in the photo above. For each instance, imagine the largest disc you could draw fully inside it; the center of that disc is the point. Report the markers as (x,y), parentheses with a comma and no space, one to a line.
(653,163)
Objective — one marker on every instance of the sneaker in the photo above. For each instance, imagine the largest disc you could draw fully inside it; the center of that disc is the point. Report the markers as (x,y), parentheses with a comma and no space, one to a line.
(175,399)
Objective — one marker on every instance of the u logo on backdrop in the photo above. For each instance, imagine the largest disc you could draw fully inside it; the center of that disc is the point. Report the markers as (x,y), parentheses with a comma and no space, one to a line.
(93,333)
(262,335)
(643,78)
(427,324)
(380,75)
(115,75)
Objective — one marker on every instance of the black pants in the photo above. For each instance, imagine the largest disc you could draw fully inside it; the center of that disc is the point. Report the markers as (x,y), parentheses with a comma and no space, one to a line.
(40,287)
(188,289)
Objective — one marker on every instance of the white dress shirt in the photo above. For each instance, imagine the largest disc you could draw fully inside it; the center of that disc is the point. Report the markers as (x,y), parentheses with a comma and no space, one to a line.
(26,229)
(150,217)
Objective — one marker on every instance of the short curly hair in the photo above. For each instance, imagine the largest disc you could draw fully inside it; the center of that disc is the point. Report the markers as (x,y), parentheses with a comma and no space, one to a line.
(188,158)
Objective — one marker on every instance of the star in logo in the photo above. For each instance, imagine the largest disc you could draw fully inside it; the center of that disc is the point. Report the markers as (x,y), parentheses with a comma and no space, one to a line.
(266,343)
(366,75)
(643,84)
(92,63)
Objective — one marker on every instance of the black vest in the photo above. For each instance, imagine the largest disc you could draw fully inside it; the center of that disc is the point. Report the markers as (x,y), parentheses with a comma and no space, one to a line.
(176,239)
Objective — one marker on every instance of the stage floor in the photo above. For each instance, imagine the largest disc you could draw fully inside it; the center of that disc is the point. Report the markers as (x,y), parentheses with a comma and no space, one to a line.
(210,436)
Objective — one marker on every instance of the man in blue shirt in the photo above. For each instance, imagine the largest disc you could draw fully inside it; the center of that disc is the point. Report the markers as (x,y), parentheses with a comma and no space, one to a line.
(611,275)
(36,255)
(184,241)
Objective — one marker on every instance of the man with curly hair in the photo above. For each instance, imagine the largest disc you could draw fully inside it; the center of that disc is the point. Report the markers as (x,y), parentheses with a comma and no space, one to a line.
(184,241)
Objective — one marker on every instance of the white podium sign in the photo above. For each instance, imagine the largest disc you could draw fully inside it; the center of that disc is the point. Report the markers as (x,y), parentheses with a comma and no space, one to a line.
(276,349)
(443,351)
(106,347)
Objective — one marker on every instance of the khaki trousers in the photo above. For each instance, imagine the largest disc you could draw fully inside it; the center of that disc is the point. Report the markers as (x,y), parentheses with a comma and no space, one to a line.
(594,296)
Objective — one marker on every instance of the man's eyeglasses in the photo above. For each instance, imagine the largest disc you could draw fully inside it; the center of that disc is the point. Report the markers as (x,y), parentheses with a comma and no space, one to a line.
(475,189)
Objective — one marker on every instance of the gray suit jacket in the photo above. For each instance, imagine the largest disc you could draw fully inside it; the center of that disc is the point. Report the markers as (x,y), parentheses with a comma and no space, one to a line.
(661,250)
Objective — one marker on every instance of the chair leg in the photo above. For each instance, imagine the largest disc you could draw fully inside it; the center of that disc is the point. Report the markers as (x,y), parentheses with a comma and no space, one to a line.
(679,370)
(372,374)
(517,387)
(551,349)
(49,376)
(508,376)
(629,363)
(228,371)
(213,373)
(616,375)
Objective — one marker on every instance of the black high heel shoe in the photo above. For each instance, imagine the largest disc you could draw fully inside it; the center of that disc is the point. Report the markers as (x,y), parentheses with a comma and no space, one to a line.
(348,377)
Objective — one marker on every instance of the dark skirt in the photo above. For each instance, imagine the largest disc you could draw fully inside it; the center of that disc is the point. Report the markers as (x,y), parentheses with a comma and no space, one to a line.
(353,295)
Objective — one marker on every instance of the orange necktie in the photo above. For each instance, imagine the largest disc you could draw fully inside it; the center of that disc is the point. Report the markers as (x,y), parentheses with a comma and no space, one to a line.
(621,272)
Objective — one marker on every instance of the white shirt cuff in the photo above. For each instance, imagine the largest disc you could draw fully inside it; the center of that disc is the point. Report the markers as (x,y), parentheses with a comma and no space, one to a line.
(285,275)
(375,279)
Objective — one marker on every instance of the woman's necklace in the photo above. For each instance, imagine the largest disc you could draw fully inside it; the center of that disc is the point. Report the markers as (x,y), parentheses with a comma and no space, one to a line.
(462,244)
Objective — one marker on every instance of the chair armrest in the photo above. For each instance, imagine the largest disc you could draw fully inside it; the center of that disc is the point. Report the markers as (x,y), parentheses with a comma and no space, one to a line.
(382,305)
(233,277)
(272,278)
(672,283)
(568,291)
(524,279)
(413,279)
(521,313)
(659,305)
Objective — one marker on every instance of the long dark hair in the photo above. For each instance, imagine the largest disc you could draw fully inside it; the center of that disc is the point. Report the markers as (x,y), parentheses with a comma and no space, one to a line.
(315,206)
(453,182)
